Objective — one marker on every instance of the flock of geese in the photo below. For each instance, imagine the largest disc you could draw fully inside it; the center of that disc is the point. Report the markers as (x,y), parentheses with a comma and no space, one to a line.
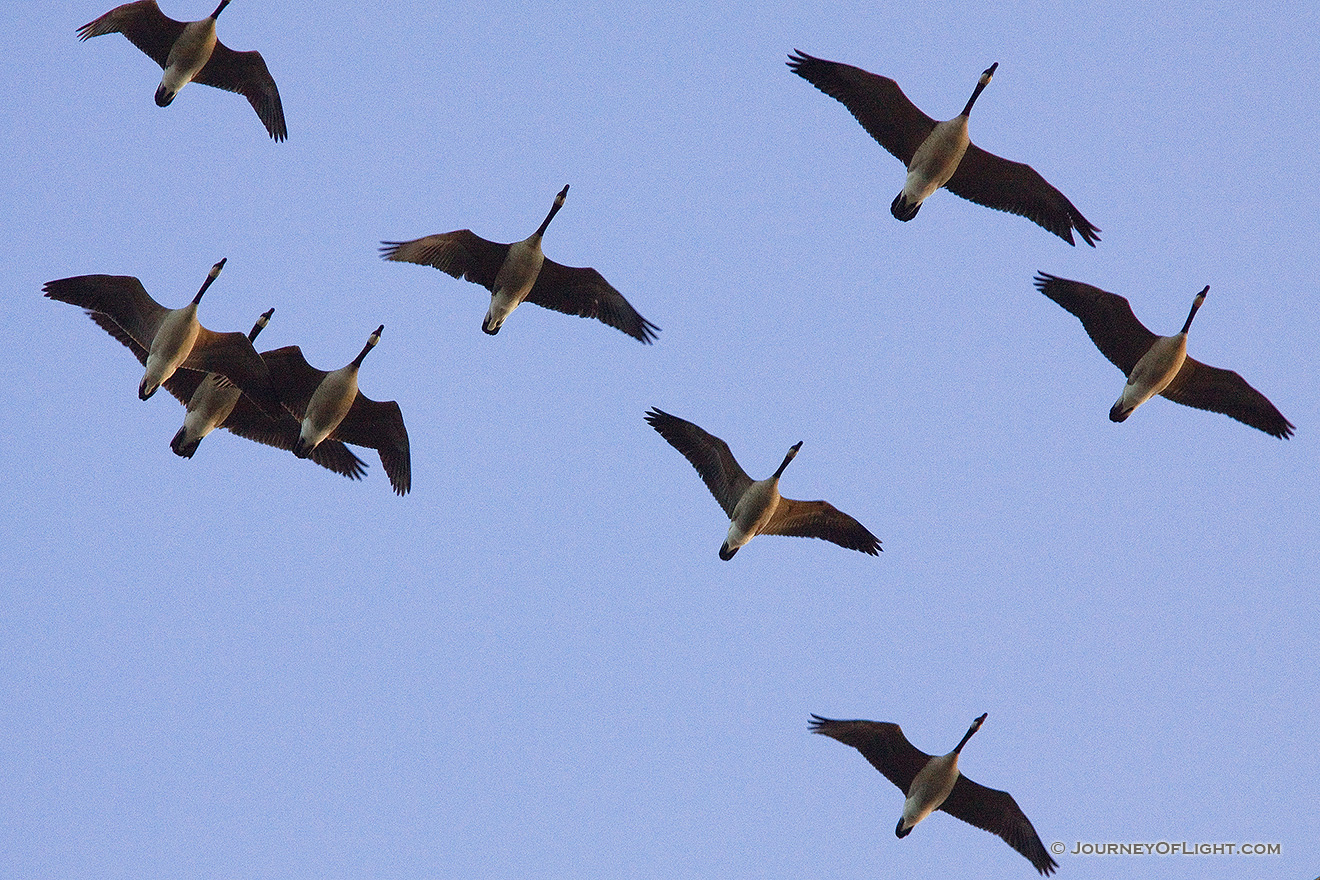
(277,398)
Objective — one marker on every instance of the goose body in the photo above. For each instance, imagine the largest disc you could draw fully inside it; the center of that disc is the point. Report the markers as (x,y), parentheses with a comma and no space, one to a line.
(932,165)
(330,406)
(941,154)
(189,52)
(519,272)
(932,785)
(170,347)
(1159,365)
(755,507)
(172,338)
(933,782)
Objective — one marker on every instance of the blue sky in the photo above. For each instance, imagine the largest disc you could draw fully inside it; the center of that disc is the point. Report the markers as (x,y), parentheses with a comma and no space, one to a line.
(241,665)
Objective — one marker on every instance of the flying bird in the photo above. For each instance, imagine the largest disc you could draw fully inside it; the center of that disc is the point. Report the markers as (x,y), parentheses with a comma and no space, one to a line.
(213,402)
(1159,364)
(189,52)
(331,406)
(518,272)
(940,153)
(933,783)
(172,338)
(755,507)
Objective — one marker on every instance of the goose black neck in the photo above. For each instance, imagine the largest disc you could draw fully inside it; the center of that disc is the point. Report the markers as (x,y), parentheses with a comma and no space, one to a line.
(554,209)
(260,325)
(210,279)
(219,9)
(976,725)
(1196,304)
(980,87)
(371,343)
(787,458)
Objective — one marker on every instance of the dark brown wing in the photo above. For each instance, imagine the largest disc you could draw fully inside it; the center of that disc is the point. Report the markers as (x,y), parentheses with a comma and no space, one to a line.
(1224,391)
(379,425)
(995,811)
(461,253)
(997,183)
(143,23)
(586,293)
(246,73)
(107,323)
(880,742)
(876,101)
(181,385)
(294,379)
(708,454)
(820,519)
(122,298)
(232,356)
(1107,317)
(250,423)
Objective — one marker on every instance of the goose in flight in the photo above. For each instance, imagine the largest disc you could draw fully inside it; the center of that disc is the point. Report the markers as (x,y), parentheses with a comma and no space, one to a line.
(189,52)
(933,783)
(940,153)
(518,272)
(213,402)
(172,338)
(1159,364)
(755,507)
(331,406)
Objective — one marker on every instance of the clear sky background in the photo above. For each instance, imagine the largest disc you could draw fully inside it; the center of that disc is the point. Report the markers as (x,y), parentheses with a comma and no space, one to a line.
(244,666)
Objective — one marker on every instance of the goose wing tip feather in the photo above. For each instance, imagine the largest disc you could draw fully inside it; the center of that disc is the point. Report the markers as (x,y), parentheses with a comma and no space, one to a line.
(379,425)
(1224,391)
(460,254)
(876,102)
(820,519)
(709,456)
(1017,188)
(1107,318)
(145,26)
(997,812)
(584,292)
(337,457)
(881,743)
(246,73)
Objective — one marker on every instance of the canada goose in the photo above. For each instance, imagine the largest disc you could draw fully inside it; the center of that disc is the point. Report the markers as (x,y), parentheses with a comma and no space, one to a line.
(172,338)
(756,507)
(189,52)
(330,405)
(940,154)
(934,783)
(519,271)
(213,402)
(1159,364)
